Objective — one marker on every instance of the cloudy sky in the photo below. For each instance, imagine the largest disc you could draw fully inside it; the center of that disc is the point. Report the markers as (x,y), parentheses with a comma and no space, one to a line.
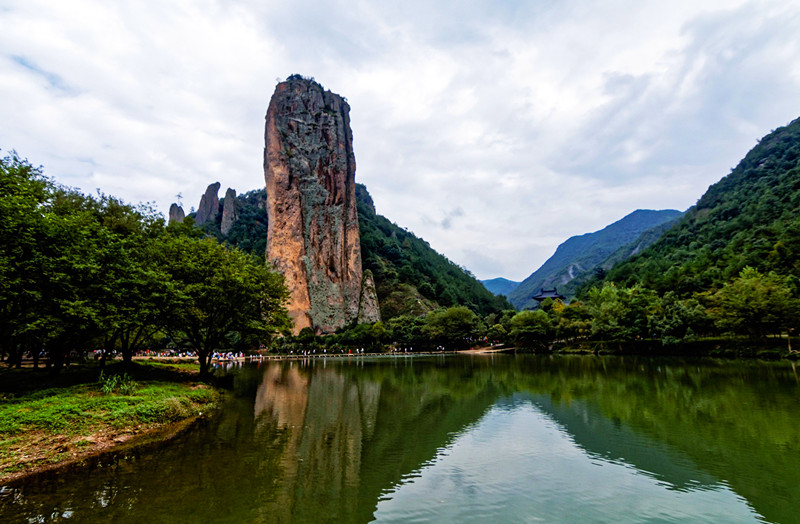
(492,129)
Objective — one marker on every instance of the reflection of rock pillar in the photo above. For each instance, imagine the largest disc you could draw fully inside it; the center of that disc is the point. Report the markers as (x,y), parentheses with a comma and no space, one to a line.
(283,394)
(325,418)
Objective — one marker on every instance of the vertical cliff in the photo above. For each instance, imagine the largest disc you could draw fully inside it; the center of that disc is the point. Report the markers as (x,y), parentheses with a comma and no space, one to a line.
(176,213)
(230,212)
(208,209)
(313,235)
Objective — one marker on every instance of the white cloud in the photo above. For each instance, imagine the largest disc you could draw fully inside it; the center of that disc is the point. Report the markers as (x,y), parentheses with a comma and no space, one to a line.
(537,120)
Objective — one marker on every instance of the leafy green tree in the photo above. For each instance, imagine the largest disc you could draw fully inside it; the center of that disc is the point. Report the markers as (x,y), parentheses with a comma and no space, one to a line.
(497,333)
(25,192)
(620,314)
(216,291)
(679,320)
(532,330)
(573,321)
(407,330)
(755,304)
(454,327)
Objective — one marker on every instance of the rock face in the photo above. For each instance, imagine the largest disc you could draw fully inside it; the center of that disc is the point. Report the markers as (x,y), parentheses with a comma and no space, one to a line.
(313,236)
(230,212)
(368,302)
(176,213)
(209,205)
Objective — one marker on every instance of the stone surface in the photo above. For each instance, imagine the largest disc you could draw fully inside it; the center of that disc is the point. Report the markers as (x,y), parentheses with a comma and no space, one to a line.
(176,213)
(230,211)
(209,205)
(313,237)
(368,309)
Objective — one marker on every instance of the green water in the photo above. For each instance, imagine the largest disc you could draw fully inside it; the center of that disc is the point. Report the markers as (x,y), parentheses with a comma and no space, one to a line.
(460,439)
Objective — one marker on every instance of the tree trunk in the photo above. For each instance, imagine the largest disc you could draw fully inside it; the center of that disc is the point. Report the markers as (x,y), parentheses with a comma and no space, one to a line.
(57,360)
(202,356)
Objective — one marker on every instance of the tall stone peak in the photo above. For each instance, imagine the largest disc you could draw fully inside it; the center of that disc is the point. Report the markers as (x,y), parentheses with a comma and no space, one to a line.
(313,236)
(176,214)
(230,211)
(209,205)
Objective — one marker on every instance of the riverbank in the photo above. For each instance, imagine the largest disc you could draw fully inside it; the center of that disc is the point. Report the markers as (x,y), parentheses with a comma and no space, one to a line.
(54,426)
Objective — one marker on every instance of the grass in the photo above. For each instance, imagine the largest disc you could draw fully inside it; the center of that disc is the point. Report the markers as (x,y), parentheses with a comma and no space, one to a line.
(56,424)
(183,365)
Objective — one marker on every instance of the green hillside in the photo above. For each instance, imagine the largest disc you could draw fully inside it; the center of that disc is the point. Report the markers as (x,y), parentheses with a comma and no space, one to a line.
(749,218)
(579,257)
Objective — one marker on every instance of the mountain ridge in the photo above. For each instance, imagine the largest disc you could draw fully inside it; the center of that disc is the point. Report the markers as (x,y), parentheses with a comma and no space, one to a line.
(579,256)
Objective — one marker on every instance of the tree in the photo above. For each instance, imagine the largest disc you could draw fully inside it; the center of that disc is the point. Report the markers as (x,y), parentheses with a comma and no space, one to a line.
(25,191)
(620,314)
(679,320)
(532,330)
(755,304)
(215,292)
(452,327)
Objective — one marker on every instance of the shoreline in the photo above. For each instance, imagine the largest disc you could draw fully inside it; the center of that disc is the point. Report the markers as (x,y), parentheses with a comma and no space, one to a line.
(115,445)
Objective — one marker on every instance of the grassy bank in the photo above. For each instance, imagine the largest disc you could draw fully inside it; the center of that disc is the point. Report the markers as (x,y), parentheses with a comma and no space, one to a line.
(55,425)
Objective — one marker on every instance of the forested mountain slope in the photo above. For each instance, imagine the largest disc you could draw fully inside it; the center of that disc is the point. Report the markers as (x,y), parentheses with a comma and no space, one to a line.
(749,218)
(580,256)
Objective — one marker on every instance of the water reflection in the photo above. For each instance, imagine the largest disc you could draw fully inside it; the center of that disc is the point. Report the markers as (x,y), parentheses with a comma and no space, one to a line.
(434,439)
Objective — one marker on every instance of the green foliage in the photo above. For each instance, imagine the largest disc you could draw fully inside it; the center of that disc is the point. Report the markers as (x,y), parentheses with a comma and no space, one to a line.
(454,327)
(109,383)
(621,313)
(217,291)
(532,330)
(679,321)
(755,304)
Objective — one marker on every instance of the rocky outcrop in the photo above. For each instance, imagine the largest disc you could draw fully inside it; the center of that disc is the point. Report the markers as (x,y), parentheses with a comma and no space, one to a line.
(368,309)
(313,236)
(176,214)
(230,211)
(208,209)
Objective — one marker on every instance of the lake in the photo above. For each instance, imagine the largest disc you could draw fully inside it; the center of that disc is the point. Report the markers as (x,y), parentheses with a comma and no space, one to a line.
(461,439)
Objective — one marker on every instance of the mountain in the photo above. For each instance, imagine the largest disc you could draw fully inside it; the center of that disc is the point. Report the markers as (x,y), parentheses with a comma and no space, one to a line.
(751,217)
(577,259)
(500,286)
